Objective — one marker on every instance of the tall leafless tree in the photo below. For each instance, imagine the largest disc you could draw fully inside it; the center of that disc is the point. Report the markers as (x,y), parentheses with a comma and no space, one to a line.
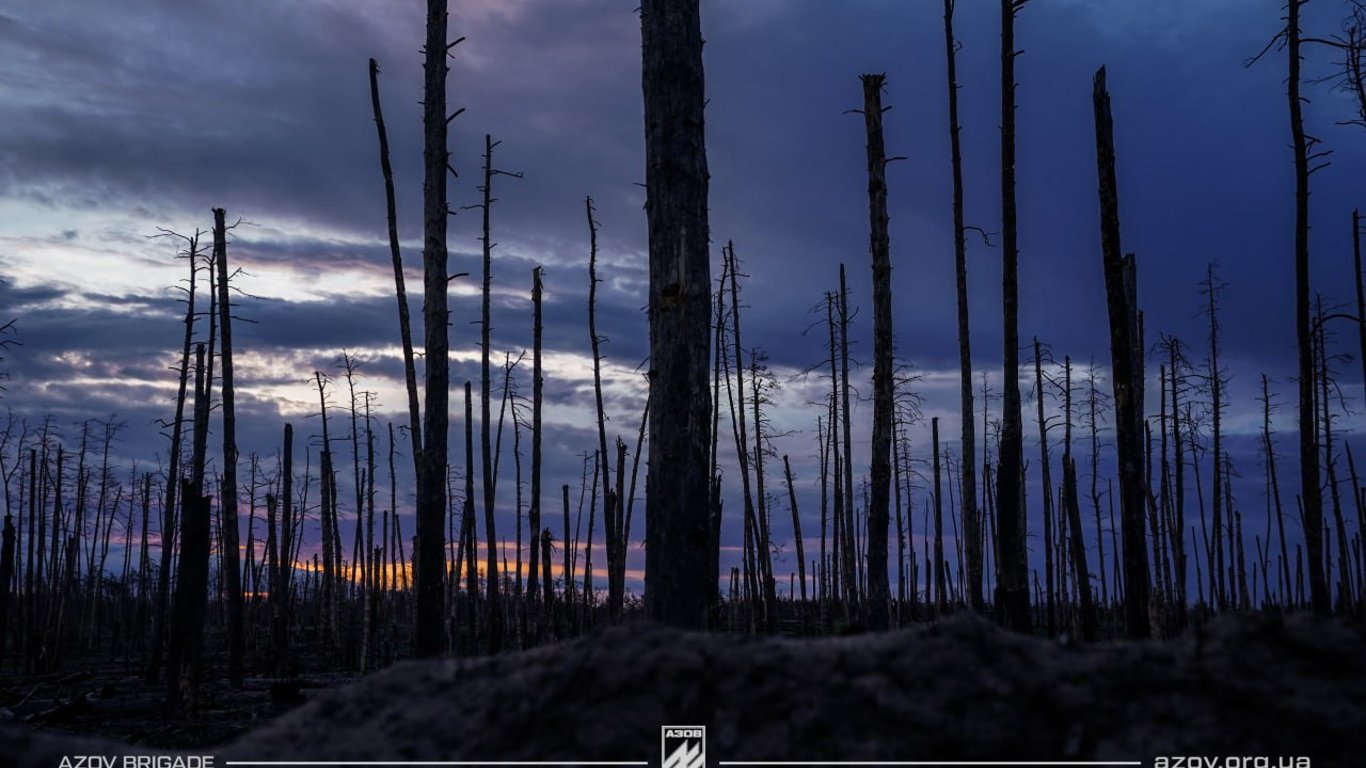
(428,633)
(1126,350)
(1012,582)
(879,244)
(678,583)
(972,549)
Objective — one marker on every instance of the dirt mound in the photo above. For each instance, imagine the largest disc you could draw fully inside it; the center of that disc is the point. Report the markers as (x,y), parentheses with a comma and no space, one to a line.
(962,690)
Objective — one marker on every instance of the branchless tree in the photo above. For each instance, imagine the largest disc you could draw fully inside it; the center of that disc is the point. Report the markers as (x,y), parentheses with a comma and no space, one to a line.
(428,632)
(678,583)
(972,549)
(879,244)
(1012,581)
(1126,355)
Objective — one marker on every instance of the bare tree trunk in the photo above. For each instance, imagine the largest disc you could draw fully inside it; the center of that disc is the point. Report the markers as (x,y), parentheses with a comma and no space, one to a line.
(611,529)
(281,580)
(191,596)
(940,587)
(679,587)
(878,512)
(495,612)
(796,527)
(1071,505)
(428,632)
(537,384)
(758,555)
(1310,492)
(850,578)
(168,528)
(1046,487)
(1012,583)
(1179,538)
(1126,350)
(227,506)
(968,447)
(404,326)
(6,576)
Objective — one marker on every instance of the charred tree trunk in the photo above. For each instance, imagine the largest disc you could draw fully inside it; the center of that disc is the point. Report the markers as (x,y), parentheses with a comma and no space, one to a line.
(169,509)
(879,243)
(227,504)
(192,585)
(400,290)
(940,567)
(7,547)
(1072,506)
(431,492)
(1012,583)
(537,382)
(1311,493)
(495,611)
(678,584)
(610,504)
(971,516)
(1126,349)
(796,528)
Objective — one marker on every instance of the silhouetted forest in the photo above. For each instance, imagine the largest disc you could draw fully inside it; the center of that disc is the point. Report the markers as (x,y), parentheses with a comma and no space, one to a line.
(357,540)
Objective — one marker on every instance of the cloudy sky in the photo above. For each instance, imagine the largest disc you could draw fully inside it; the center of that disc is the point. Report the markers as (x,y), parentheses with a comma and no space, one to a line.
(117,119)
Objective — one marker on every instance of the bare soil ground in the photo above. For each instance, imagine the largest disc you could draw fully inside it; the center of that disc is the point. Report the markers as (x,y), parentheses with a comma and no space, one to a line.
(961,690)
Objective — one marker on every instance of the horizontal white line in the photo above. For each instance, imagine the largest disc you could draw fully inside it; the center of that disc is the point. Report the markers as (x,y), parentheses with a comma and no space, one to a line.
(1059,763)
(433,762)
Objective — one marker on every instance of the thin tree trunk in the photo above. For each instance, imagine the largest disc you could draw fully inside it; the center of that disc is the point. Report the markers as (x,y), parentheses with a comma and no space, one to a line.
(1126,351)
(227,506)
(968,446)
(796,527)
(400,291)
(537,384)
(1310,492)
(611,528)
(495,613)
(1012,582)
(168,528)
(940,587)
(851,582)
(878,511)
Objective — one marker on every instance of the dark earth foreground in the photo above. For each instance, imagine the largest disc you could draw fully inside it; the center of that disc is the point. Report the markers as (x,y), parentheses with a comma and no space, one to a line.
(1239,689)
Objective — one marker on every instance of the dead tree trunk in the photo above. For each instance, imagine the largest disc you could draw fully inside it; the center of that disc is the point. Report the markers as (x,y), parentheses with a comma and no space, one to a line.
(848,537)
(880,494)
(1126,349)
(169,510)
(1072,506)
(1046,488)
(968,448)
(227,505)
(940,566)
(282,580)
(6,576)
(1311,493)
(431,492)
(495,611)
(678,583)
(534,513)
(796,528)
(404,326)
(1012,583)
(191,596)
(610,505)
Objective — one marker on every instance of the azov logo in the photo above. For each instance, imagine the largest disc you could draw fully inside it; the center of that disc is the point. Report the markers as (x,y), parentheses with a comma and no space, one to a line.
(684,746)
